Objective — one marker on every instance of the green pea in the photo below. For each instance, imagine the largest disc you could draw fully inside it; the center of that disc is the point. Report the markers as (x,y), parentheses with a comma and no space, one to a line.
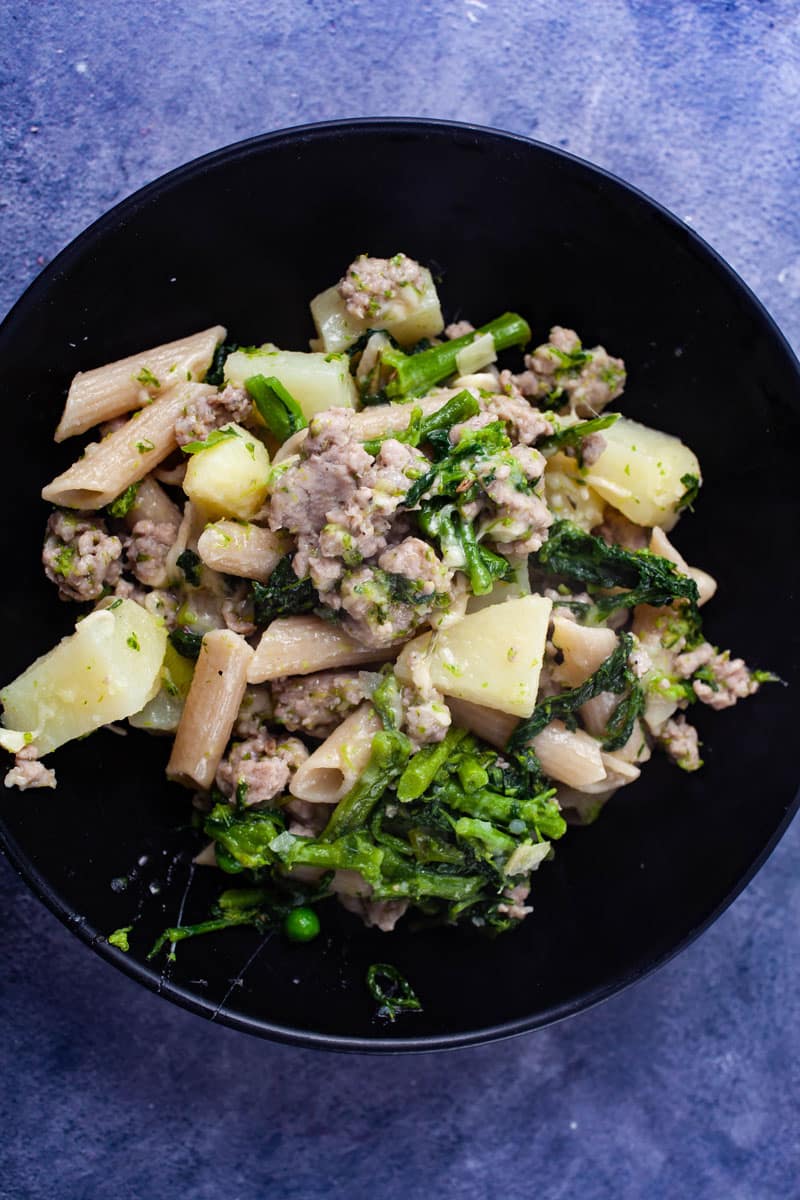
(301,925)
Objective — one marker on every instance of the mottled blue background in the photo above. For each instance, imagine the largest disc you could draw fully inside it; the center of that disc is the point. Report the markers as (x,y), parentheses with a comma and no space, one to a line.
(688,1084)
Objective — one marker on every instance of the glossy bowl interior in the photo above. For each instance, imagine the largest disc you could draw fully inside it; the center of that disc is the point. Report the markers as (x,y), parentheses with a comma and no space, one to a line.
(245,237)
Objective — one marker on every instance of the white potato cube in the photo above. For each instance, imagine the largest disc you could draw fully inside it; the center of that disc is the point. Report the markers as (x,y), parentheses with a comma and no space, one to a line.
(109,668)
(492,657)
(162,714)
(229,477)
(316,381)
(413,315)
(567,494)
(640,472)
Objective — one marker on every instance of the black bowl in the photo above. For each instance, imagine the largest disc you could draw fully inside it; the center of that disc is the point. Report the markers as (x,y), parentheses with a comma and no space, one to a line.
(244,237)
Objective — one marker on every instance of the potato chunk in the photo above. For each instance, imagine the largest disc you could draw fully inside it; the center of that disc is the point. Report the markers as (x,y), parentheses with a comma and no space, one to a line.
(415,315)
(492,657)
(317,381)
(109,668)
(641,473)
(229,477)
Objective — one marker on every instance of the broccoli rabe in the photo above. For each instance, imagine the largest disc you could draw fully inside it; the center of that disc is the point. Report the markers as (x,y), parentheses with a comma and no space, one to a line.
(215,375)
(449,829)
(283,594)
(613,675)
(391,990)
(421,429)
(646,578)
(124,502)
(277,407)
(460,547)
(573,435)
(416,374)
(187,642)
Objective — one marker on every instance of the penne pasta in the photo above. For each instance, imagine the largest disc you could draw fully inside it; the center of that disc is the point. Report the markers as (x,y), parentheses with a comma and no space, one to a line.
(243,549)
(584,648)
(335,766)
(493,726)
(152,504)
(108,467)
(618,773)
(569,756)
(216,692)
(119,387)
(300,645)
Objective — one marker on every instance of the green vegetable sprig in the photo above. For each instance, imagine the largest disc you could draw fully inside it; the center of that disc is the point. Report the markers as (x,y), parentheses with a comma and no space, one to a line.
(278,408)
(124,502)
(420,428)
(613,675)
(283,594)
(646,578)
(416,374)
(392,991)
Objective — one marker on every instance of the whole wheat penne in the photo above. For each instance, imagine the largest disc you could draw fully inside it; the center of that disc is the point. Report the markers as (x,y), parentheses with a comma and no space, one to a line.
(300,645)
(215,694)
(618,774)
(108,467)
(493,726)
(119,387)
(569,756)
(152,504)
(584,648)
(243,549)
(334,766)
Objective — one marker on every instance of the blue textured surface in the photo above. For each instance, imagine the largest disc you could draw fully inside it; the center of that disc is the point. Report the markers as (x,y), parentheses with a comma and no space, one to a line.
(687,1085)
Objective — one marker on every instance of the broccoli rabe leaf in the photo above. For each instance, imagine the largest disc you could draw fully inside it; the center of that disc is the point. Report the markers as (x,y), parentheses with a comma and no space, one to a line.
(278,408)
(582,558)
(691,484)
(191,564)
(449,474)
(283,594)
(124,502)
(214,438)
(613,675)
(186,641)
(215,375)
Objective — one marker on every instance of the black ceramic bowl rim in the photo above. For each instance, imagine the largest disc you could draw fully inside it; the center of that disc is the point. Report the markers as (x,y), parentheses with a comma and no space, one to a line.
(150,977)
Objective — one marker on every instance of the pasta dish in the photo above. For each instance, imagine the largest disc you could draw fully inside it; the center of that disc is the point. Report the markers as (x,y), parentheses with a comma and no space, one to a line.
(406,605)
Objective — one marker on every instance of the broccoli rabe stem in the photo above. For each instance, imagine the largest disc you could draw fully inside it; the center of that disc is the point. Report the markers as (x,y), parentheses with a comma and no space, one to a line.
(352,852)
(179,933)
(473,829)
(613,675)
(471,773)
(420,772)
(457,409)
(416,374)
(480,577)
(389,754)
(460,547)
(431,884)
(277,407)
(540,812)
